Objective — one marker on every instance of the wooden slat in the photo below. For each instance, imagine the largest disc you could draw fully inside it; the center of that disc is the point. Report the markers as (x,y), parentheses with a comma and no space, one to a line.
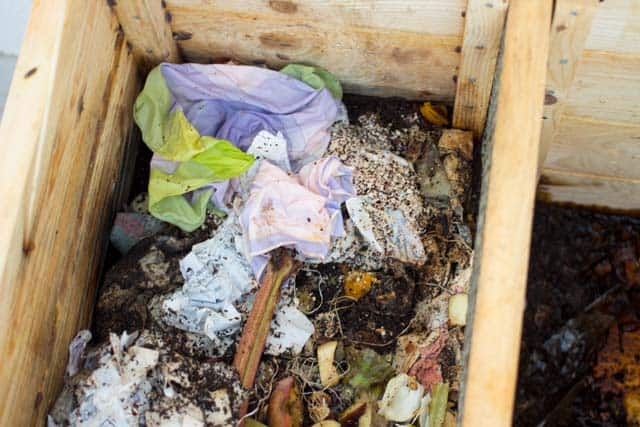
(367,59)
(616,27)
(610,193)
(437,17)
(594,147)
(484,24)
(146,25)
(506,211)
(569,30)
(65,127)
(606,88)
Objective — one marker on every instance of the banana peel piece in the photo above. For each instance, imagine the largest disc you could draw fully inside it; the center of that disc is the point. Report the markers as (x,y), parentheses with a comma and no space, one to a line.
(435,114)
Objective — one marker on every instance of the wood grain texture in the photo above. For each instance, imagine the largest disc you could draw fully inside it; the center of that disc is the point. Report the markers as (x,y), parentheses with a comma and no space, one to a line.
(364,50)
(484,24)
(586,146)
(67,117)
(610,193)
(616,27)
(592,125)
(506,211)
(437,17)
(570,28)
(606,87)
(146,25)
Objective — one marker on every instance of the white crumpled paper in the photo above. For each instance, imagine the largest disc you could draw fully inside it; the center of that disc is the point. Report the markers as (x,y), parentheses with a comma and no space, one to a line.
(290,330)
(217,278)
(271,147)
(218,291)
(115,393)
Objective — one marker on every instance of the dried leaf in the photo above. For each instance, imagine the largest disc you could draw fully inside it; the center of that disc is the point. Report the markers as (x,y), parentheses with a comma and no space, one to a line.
(618,370)
(353,413)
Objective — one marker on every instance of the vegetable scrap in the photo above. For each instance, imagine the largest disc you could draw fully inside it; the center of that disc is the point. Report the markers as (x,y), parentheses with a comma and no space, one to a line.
(435,114)
(289,265)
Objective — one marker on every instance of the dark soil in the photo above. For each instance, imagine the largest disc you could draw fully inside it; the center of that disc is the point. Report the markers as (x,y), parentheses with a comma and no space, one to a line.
(582,280)
(391,111)
(150,268)
(375,320)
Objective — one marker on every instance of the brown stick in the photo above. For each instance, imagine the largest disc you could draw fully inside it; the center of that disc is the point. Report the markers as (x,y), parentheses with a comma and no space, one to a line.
(256,330)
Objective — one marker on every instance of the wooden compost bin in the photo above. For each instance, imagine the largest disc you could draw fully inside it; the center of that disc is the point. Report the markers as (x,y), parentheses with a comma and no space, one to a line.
(68,139)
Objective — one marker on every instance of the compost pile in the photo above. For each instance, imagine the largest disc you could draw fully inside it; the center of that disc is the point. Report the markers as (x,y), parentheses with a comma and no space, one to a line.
(581,339)
(291,264)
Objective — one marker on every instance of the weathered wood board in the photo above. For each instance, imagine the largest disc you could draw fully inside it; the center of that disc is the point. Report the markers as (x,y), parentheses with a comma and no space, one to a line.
(591,138)
(618,195)
(504,224)
(375,47)
(484,23)
(65,127)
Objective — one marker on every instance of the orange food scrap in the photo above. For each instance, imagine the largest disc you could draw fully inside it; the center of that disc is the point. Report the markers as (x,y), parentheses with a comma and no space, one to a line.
(357,283)
(435,114)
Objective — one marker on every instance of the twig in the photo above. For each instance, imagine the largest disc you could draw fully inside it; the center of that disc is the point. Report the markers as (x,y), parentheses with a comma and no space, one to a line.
(256,330)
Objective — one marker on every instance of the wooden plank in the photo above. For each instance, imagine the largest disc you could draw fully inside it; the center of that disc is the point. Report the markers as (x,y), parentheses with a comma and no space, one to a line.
(606,88)
(569,30)
(484,24)
(593,147)
(368,60)
(146,25)
(616,27)
(506,211)
(437,17)
(608,193)
(68,114)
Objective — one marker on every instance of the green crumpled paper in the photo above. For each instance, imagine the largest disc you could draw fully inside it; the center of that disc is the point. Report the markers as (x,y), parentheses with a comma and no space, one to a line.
(203,159)
(315,77)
